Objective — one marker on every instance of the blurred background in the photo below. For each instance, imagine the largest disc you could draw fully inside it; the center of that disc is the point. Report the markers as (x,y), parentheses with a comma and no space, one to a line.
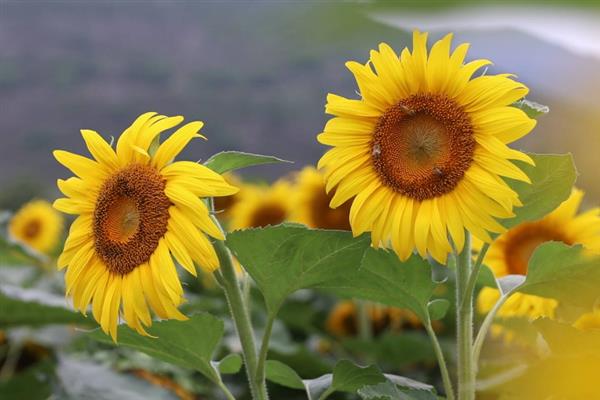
(257,72)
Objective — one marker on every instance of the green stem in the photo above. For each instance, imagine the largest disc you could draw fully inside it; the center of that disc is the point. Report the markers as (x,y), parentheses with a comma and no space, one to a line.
(485,327)
(226,391)
(264,350)
(241,318)
(464,304)
(470,289)
(441,361)
(364,322)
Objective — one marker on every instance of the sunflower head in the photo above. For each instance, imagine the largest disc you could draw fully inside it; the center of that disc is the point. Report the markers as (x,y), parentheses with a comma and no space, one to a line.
(311,203)
(37,225)
(138,212)
(343,319)
(261,206)
(423,152)
(510,253)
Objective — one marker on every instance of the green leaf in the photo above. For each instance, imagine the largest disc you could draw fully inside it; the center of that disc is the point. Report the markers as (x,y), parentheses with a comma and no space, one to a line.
(188,344)
(346,377)
(231,160)
(32,307)
(285,258)
(385,279)
(283,375)
(552,179)
(438,308)
(531,108)
(231,364)
(565,273)
(389,391)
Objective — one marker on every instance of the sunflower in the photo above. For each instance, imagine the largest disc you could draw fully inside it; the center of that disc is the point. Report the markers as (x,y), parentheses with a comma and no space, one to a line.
(311,203)
(509,254)
(37,225)
(260,206)
(424,149)
(138,211)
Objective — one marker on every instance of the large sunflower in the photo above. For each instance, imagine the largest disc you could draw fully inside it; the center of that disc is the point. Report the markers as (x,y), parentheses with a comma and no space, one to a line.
(311,203)
(260,206)
(424,149)
(509,254)
(137,212)
(37,225)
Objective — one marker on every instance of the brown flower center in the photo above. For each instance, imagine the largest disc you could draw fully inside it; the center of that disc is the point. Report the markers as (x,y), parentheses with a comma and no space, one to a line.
(131,216)
(522,241)
(423,145)
(32,229)
(268,214)
(325,217)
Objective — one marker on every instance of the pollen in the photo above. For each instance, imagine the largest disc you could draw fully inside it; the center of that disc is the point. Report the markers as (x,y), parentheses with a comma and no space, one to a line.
(422,146)
(130,217)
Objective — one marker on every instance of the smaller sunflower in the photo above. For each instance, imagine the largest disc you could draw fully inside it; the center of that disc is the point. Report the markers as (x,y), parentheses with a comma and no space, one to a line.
(311,203)
(260,206)
(509,254)
(37,225)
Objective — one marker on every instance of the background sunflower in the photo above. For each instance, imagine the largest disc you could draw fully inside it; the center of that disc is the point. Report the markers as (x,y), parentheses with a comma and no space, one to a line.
(37,225)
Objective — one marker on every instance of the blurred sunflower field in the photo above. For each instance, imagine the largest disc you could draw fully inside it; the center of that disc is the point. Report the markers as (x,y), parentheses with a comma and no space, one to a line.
(180,218)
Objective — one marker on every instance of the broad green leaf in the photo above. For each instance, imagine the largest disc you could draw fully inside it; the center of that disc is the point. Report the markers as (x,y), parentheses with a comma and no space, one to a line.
(552,179)
(438,308)
(32,307)
(188,344)
(231,364)
(283,375)
(346,377)
(531,108)
(231,160)
(285,258)
(383,278)
(562,272)
(389,391)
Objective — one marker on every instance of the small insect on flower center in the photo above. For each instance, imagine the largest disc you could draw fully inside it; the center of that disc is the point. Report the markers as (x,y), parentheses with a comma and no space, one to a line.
(130,217)
(32,229)
(523,240)
(422,146)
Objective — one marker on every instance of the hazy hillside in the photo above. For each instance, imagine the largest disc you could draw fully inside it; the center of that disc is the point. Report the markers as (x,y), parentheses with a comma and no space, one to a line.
(256,73)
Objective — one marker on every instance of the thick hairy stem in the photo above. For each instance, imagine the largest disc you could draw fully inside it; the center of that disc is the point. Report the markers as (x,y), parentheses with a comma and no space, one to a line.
(464,308)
